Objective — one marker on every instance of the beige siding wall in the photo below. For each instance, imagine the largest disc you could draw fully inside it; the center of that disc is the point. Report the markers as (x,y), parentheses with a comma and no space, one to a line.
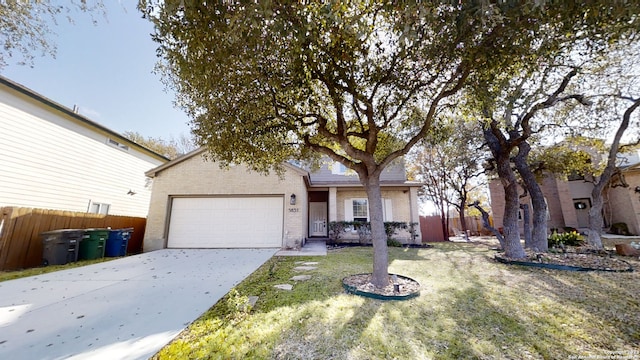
(50,160)
(198,177)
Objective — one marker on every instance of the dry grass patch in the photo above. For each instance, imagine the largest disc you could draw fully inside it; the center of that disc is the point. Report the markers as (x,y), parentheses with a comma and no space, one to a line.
(469,307)
(17,274)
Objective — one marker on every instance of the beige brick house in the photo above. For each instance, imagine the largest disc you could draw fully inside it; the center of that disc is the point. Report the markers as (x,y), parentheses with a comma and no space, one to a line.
(196,204)
(569,201)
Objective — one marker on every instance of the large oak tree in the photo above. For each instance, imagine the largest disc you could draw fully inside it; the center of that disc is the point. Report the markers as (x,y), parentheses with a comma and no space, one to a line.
(358,81)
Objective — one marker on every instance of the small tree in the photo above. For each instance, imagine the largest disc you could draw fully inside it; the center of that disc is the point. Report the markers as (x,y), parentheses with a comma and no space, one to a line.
(171,148)
(447,164)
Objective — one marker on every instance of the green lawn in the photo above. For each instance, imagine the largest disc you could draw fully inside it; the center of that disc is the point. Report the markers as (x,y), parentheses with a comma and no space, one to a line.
(16,274)
(469,307)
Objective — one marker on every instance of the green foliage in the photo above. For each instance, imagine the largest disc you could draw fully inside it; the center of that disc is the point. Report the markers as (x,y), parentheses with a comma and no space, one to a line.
(620,229)
(393,243)
(338,228)
(171,148)
(572,238)
(25,27)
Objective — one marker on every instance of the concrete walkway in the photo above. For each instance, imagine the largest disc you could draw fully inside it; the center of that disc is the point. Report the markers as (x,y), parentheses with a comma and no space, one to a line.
(311,248)
(127,308)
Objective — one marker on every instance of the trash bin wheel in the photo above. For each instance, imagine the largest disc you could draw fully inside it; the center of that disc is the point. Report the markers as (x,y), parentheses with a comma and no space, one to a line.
(45,262)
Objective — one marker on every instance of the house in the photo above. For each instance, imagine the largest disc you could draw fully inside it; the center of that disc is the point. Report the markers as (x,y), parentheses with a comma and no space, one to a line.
(53,158)
(569,201)
(196,204)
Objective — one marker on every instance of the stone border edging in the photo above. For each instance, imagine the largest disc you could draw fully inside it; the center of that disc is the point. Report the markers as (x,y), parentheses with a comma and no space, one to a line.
(353,290)
(559,267)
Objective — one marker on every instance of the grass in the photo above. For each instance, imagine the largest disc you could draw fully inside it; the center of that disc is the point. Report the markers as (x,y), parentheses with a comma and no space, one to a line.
(469,307)
(16,274)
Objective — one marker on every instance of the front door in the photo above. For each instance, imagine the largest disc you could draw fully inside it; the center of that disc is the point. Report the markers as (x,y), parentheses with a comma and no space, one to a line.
(582,207)
(318,219)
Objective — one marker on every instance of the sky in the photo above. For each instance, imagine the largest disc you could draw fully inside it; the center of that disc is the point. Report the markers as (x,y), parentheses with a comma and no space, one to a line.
(106,69)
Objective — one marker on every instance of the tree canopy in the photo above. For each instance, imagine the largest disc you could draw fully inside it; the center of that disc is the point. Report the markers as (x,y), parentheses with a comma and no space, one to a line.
(358,81)
(25,27)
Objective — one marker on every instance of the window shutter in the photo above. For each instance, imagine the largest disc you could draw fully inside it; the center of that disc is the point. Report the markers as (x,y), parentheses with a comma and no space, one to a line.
(348,210)
(388,211)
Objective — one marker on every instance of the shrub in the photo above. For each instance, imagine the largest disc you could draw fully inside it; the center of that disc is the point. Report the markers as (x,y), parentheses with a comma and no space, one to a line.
(393,243)
(620,229)
(572,238)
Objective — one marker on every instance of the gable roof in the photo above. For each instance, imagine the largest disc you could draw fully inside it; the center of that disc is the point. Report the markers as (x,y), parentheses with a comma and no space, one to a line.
(153,172)
(76,117)
(355,182)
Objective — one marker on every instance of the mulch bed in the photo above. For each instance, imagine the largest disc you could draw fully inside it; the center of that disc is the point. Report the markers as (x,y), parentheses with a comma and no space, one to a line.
(578,258)
(362,283)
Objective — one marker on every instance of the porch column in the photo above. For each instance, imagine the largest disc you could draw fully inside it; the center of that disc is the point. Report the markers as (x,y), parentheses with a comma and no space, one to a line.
(415,213)
(333,204)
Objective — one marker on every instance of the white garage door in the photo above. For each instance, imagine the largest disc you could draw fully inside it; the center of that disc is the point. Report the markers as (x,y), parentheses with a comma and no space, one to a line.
(226,222)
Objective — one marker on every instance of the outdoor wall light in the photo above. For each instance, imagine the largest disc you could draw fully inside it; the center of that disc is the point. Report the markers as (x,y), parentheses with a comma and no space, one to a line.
(637,189)
(292,201)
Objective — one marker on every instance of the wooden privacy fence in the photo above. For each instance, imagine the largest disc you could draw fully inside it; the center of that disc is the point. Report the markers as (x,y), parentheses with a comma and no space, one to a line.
(20,229)
(474,225)
(431,227)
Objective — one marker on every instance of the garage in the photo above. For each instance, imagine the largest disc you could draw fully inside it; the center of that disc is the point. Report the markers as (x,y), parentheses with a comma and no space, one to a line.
(226,222)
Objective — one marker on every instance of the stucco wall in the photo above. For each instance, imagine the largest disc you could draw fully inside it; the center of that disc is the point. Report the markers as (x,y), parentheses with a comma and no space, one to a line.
(624,203)
(559,202)
(198,177)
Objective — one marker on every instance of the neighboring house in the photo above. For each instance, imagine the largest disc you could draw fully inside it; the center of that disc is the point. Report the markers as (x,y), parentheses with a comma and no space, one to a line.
(53,158)
(196,204)
(569,202)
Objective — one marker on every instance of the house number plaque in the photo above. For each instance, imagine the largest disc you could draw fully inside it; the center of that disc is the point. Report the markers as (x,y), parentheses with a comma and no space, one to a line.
(293,210)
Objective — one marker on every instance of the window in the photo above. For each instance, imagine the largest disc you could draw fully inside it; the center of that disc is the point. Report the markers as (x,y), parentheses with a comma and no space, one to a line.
(117,144)
(99,208)
(360,210)
(338,169)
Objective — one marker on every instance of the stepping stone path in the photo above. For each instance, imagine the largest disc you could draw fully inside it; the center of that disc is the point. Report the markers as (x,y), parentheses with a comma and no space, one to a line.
(287,287)
(302,266)
(301,278)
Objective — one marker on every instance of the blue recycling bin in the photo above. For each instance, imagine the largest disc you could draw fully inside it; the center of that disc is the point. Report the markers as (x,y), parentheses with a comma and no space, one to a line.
(117,242)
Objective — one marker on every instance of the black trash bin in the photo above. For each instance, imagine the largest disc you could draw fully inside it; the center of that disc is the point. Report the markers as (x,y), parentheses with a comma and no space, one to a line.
(60,247)
(117,242)
(92,245)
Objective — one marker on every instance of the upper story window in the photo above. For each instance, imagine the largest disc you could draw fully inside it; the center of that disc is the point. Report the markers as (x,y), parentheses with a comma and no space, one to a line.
(117,144)
(338,168)
(99,208)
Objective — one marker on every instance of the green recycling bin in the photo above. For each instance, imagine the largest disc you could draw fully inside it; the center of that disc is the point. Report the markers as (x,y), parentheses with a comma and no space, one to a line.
(92,244)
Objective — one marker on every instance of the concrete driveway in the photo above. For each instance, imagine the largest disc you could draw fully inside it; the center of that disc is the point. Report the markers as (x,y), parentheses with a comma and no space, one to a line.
(127,308)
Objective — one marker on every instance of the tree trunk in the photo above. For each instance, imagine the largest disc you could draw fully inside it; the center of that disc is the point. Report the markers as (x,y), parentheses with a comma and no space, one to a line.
(596,220)
(512,246)
(463,222)
(526,220)
(538,240)
(380,277)
(444,224)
